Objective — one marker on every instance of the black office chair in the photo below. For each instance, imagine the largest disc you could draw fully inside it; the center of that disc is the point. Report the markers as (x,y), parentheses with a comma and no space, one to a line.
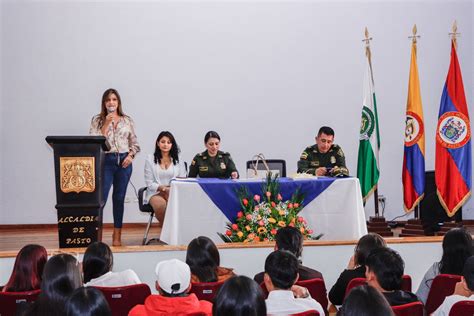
(146,208)
(273,164)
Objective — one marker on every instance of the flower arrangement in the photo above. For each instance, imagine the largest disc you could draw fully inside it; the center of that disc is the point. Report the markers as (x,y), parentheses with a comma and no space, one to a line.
(262,215)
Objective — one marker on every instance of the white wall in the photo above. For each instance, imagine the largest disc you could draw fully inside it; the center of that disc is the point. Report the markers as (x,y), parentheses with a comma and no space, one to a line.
(264,74)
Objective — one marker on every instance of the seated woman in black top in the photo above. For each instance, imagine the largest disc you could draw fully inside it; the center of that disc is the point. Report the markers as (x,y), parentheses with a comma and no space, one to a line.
(356,266)
(213,163)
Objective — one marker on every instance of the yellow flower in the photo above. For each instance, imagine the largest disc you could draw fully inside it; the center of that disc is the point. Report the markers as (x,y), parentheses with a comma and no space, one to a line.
(240,234)
(281,224)
(259,217)
(302,230)
(247,228)
(261,230)
(293,220)
(281,212)
(272,220)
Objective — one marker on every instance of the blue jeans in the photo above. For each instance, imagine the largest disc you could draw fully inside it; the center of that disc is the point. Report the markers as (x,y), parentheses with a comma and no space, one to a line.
(119,177)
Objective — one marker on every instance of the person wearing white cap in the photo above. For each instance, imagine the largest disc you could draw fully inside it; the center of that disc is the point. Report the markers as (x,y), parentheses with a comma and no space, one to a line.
(173,282)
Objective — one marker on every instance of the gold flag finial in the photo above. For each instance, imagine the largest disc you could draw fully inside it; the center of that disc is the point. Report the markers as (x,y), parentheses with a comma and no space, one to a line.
(454,34)
(367,40)
(414,36)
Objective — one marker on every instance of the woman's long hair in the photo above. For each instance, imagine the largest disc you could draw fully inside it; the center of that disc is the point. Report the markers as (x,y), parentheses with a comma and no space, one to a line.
(457,247)
(103,108)
(174,151)
(239,296)
(27,270)
(61,276)
(87,301)
(98,260)
(203,258)
(365,245)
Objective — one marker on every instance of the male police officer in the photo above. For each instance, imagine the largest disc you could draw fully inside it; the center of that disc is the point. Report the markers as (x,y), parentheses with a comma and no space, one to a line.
(323,158)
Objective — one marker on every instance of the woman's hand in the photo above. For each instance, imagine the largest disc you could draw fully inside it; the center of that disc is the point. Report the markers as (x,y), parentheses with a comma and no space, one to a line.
(127,161)
(234,175)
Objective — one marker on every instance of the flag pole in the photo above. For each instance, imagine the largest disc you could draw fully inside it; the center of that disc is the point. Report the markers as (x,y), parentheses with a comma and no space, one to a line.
(414,38)
(368,53)
(454,34)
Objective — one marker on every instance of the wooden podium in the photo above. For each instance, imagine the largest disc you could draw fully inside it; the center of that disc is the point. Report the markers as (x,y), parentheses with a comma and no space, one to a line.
(78,166)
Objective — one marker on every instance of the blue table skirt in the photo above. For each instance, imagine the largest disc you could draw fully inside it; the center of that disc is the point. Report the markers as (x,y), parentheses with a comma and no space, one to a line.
(223,192)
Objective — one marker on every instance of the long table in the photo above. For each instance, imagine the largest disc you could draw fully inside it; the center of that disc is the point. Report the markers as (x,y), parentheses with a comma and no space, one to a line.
(337,212)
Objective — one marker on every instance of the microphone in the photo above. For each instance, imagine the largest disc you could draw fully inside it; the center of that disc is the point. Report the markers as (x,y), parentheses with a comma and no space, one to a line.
(111,109)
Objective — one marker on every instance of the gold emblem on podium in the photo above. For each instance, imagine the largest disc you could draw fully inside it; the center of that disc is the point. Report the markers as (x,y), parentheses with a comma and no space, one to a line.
(77,174)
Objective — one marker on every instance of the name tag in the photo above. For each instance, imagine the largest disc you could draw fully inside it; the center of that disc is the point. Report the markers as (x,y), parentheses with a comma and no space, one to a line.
(315,163)
(203,169)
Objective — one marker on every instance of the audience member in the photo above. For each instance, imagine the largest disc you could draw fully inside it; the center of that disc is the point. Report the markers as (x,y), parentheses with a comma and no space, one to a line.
(457,247)
(464,290)
(356,266)
(281,273)
(203,258)
(290,239)
(384,272)
(61,276)
(87,301)
(239,296)
(173,284)
(97,265)
(27,269)
(365,300)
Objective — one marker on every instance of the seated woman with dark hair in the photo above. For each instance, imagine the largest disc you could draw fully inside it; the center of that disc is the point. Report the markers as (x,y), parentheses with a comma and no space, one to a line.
(61,276)
(87,301)
(27,270)
(457,247)
(365,300)
(239,296)
(97,266)
(356,266)
(203,258)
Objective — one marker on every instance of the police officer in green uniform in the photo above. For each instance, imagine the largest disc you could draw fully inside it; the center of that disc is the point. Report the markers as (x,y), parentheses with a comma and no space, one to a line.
(213,163)
(324,158)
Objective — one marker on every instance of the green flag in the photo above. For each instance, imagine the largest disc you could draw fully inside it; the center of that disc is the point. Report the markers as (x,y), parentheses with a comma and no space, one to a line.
(368,170)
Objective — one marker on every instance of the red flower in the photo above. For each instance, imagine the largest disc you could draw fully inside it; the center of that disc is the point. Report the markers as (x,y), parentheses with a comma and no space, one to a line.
(235,227)
(228,233)
(268,194)
(300,219)
(291,224)
(310,231)
(279,198)
(245,202)
(256,197)
(248,217)
(290,205)
(240,214)
(296,205)
(265,239)
(273,204)
(261,223)
(273,231)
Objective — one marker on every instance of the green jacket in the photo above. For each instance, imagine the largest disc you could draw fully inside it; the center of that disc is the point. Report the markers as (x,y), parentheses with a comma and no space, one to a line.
(311,159)
(204,166)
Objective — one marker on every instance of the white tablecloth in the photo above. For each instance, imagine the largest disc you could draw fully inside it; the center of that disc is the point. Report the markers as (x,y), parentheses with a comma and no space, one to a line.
(338,213)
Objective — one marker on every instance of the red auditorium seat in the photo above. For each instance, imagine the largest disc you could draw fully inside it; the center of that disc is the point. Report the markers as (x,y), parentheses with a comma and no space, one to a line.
(443,285)
(406,283)
(307,313)
(10,300)
(410,309)
(462,308)
(122,299)
(206,291)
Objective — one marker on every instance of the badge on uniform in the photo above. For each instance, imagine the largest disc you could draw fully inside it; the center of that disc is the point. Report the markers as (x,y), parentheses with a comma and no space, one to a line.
(223,165)
(203,168)
(333,159)
(314,163)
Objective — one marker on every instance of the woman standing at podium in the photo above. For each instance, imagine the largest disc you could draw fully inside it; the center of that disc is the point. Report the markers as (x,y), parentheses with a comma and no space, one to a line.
(119,131)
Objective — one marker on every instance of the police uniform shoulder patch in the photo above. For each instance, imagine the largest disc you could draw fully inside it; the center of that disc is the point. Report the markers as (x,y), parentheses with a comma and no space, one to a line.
(340,153)
(193,162)
(304,155)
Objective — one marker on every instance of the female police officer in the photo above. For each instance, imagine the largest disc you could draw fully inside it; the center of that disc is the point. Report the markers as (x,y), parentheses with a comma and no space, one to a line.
(213,163)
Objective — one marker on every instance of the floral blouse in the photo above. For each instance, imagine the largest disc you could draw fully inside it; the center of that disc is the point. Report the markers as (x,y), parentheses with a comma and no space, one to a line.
(121,140)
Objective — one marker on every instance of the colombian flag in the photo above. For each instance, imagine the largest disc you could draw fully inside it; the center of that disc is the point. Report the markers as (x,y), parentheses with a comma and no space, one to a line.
(453,142)
(413,172)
